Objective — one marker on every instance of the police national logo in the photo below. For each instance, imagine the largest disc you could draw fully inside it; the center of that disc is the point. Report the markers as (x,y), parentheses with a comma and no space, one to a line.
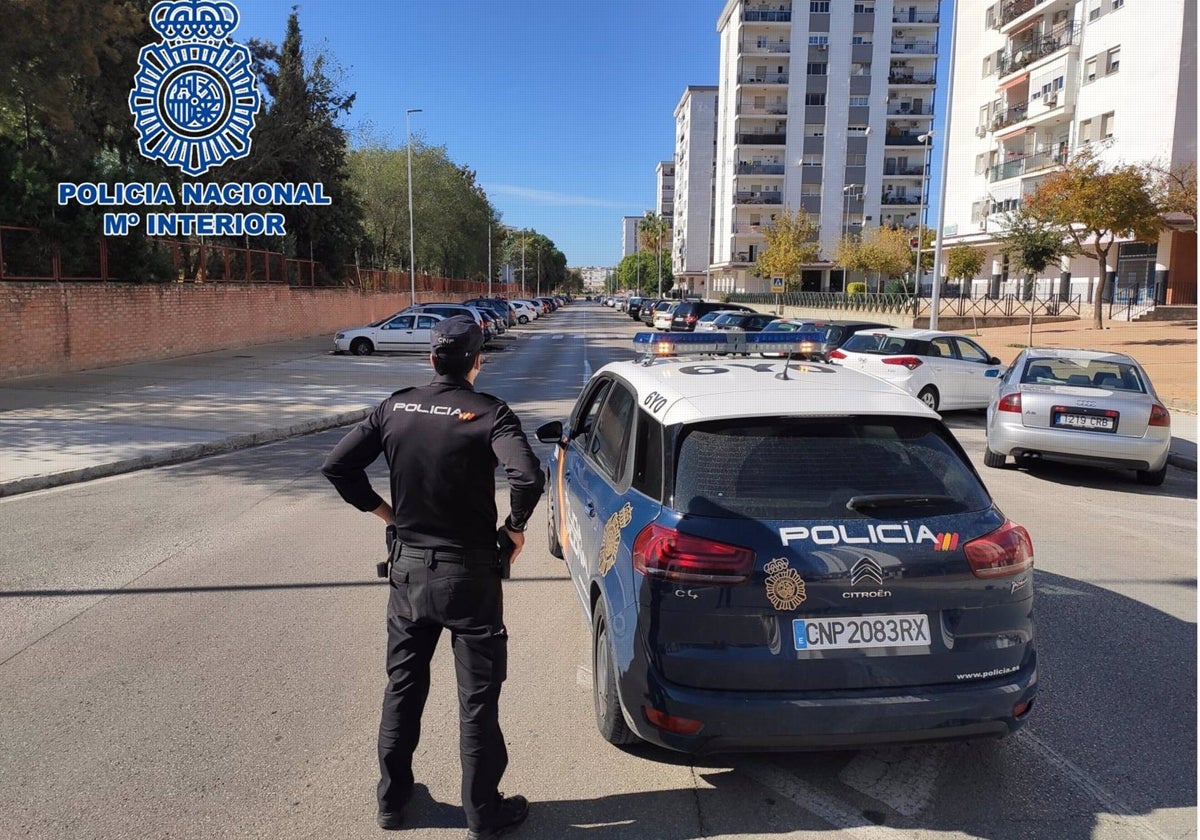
(195,94)
(612,537)
(785,587)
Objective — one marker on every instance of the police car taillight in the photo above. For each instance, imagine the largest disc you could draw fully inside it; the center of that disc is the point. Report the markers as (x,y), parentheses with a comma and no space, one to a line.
(910,362)
(1006,551)
(664,553)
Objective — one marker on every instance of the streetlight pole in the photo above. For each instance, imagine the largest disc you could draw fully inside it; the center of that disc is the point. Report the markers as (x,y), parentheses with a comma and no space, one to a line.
(925,140)
(523,290)
(489,247)
(941,213)
(539,269)
(847,191)
(412,250)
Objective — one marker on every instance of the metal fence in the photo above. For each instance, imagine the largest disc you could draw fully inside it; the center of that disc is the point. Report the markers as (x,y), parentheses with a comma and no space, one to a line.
(904,304)
(29,255)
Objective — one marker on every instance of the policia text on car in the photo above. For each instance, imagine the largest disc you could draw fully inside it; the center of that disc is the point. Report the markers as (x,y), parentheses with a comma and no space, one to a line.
(442,443)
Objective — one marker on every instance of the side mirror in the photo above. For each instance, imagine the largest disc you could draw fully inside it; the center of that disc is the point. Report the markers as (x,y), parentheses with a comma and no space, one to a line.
(551,432)
(995,360)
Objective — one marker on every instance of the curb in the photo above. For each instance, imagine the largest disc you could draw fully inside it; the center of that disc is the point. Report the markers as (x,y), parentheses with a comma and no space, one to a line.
(1182,462)
(182,454)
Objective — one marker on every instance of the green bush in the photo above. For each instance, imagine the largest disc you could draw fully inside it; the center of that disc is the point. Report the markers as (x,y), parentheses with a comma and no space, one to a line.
(897,287)
(856,289)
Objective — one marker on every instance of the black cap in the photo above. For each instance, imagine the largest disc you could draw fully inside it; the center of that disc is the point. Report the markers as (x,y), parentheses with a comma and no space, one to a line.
(456,336)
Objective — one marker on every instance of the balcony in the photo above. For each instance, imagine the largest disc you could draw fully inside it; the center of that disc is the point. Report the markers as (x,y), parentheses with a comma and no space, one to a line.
(762,139)
(913,16)
(893,200)
(760,169)
(759,48)
(746,229)
(1013,115)
(914,48)
(758,198)
(894,171)
(1025,165)
(1018,57)
(905,109)
(766,79)
(750,15)
(746,110)
(902,138)
(910,78)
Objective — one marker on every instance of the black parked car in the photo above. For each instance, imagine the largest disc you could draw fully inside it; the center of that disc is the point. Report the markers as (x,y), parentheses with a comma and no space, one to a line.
(690,311)
(635,307)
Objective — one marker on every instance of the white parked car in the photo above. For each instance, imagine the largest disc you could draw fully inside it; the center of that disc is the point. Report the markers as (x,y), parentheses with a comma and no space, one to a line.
(663,317)
(403,331)
(944,370)
(1088,407)
(526,311)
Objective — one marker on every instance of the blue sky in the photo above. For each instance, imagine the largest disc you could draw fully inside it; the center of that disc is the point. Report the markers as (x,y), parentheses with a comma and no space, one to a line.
(562,107)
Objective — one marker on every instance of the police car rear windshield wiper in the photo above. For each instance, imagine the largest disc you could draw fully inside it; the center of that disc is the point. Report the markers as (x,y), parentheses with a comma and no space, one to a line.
(878,500)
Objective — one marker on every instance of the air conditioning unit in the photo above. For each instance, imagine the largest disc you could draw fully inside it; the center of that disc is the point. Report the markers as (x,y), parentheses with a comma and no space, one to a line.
(981,131)
(1050,101)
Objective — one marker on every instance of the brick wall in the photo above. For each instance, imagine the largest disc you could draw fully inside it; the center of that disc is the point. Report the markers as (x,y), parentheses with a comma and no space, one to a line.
(54,328)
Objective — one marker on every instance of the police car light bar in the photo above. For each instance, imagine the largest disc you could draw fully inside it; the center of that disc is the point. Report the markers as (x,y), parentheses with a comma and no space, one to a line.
(782,342)
(667,345)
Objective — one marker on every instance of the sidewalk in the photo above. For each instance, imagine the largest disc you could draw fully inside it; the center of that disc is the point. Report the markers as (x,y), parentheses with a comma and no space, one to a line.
(62,429)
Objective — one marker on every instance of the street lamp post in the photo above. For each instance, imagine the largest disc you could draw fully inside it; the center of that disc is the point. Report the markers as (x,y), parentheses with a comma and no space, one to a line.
(925,140)
(847,192)
(523,290)
(489,247)
(412,249)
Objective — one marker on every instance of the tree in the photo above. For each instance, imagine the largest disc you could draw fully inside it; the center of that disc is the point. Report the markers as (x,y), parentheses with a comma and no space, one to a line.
(791,244)
(886,252)
(654,231)
(1097,205)
(1031,245)
(963,262)
(544,263)
(928,243)
(639,272)
(299,139)
(1175,188)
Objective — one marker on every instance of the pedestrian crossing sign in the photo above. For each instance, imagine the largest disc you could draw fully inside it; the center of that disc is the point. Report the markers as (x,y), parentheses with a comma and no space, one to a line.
(776,284)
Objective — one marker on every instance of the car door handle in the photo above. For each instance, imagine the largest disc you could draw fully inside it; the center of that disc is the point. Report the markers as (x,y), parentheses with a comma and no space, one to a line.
(567,475)
(590,509)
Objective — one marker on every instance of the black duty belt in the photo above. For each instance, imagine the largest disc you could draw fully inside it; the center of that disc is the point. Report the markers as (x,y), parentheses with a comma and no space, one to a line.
(461,556)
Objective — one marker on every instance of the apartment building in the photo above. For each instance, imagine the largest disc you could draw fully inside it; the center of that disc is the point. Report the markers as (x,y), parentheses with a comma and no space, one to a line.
(695,155)
(664,193)
(1035,81)
(629,235)
(822,106)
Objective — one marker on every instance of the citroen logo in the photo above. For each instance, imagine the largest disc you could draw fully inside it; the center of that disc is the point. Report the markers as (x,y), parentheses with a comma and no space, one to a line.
(867,570)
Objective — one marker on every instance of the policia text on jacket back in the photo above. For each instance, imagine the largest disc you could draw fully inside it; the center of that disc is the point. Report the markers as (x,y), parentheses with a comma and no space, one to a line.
(442,443)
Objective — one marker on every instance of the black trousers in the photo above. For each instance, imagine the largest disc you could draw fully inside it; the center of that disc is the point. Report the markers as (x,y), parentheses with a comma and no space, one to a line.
(466,600)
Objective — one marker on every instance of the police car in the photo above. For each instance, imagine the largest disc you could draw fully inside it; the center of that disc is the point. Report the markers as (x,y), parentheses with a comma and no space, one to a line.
(784,555)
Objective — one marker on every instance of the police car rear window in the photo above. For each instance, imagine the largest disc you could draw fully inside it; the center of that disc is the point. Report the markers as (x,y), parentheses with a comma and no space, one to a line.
(809,468)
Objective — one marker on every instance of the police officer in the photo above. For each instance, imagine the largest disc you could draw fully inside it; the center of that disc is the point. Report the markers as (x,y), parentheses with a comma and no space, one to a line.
(442,443)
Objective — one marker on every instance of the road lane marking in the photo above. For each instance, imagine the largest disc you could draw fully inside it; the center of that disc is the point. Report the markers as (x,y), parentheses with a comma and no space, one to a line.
(837,812)
(903,778)
(1066,769)
(558,337)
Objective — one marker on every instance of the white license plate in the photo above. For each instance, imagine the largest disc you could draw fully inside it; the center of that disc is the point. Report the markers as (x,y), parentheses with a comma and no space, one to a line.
(861,632)
(1084,421)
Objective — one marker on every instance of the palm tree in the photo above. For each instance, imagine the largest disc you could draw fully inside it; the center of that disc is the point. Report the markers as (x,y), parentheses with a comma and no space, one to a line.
(654,232)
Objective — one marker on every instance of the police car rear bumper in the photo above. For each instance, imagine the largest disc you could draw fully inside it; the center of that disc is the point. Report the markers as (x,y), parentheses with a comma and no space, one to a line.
(797,721)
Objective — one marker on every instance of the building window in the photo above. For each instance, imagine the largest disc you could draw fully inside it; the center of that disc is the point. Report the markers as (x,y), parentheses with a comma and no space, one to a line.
(814,99)
(856,160)
(1117,4)
(1094,12)
(1058,83)
(860,69)
(861,38)
(814,130)
(810,189)
(1114,60)
(860,101)
(989,17)
(856,130)
(817,68)
(819,7)
(818,40)
(864,8)
(812,160)
(1085,131)
(987,65)
(1107,125)
(1089,70)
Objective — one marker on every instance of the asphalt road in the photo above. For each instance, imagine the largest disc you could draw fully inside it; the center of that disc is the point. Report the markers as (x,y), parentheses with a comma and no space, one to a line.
(197,652)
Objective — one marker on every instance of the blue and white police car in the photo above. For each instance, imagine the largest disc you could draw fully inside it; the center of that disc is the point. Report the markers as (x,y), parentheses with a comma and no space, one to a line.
(776,555)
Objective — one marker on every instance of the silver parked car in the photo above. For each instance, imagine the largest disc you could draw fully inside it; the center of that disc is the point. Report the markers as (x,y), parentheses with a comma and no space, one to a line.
(1086,407)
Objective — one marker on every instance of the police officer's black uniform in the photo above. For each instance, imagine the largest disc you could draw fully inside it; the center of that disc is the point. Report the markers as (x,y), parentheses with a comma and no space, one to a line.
(442,443)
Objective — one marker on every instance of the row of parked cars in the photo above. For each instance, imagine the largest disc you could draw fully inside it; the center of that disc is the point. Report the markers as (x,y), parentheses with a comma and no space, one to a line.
(409,329)
(1071,406)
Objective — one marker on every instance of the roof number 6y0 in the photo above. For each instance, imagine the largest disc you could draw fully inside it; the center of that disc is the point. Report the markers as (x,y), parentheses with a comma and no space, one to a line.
(654,402)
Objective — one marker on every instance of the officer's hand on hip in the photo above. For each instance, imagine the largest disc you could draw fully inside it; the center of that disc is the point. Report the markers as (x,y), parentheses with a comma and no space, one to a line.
(518,538)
